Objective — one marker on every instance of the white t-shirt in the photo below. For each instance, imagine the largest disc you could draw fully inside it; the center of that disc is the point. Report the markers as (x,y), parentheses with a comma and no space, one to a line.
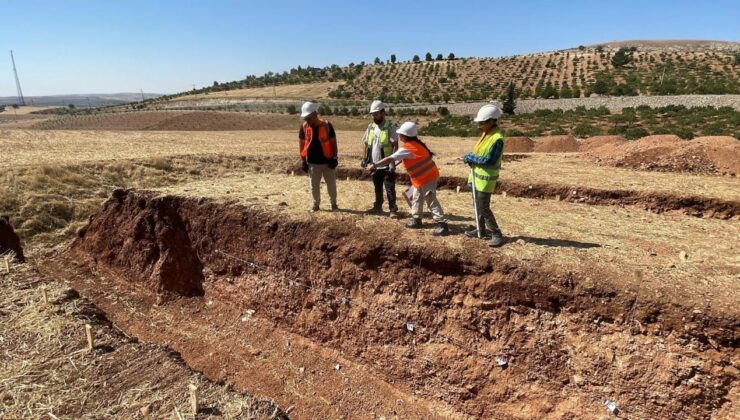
(376,152)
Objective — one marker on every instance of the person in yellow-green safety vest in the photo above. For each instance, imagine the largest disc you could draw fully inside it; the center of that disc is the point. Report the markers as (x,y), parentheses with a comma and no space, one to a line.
(381,141)
(485,161)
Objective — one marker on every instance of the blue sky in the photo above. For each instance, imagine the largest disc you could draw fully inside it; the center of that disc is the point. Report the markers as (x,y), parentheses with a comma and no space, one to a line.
(106,46)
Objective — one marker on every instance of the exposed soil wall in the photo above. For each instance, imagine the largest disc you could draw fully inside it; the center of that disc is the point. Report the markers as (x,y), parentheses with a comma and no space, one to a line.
(491,336)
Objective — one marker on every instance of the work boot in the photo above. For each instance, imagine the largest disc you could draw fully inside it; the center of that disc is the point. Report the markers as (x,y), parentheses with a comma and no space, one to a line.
(393,214)
(314,209)
(334,207)
(415,223)
(497,239)
(441,229)
(375,209)
(474,233)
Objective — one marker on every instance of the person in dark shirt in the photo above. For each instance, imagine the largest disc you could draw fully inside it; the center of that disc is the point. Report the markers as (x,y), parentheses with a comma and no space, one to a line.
(318,149)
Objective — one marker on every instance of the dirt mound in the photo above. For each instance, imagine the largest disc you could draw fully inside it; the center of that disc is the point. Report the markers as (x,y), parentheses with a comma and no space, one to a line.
(10,243)
(464,328)
(518,145)
(152,247)
(556,144)
(595,142)
(714,155)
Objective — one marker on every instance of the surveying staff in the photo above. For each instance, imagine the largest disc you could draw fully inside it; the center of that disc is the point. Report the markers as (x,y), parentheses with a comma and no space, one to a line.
(318,148)
(381,141)
(485,163)
(423,172)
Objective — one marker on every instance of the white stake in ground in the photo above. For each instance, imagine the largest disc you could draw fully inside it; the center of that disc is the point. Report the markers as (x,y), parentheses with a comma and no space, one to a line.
(7,264)
(194,403)
(44,296)
(90,340)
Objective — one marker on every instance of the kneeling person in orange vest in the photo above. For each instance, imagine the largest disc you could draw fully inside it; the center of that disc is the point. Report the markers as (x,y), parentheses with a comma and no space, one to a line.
(424,174)
(318,148)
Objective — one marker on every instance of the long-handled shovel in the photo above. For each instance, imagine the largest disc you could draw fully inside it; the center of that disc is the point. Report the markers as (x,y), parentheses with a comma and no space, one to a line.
(475,202)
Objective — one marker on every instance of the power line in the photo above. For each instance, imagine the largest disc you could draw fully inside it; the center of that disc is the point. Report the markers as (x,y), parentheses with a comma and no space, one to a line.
(21,101)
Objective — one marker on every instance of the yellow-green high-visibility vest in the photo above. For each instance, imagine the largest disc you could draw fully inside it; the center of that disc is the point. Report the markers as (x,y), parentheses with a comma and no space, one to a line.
(486,175)
(384,140)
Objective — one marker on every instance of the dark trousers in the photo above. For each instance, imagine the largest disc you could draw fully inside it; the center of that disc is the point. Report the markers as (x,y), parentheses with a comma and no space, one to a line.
(384,177)
(486,219)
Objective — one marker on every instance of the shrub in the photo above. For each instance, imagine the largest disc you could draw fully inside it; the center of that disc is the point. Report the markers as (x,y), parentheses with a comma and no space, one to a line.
(586,130)
(635,133)
(443,111)
(291,109)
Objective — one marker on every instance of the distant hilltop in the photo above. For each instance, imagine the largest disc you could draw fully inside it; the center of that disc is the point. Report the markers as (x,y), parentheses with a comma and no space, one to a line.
(80,100)
(617,68)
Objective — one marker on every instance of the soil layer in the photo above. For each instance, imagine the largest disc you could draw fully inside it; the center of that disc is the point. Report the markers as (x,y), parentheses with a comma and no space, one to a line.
(449,334)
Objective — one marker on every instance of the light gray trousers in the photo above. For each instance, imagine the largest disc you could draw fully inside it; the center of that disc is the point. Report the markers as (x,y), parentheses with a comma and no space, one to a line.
(427,193)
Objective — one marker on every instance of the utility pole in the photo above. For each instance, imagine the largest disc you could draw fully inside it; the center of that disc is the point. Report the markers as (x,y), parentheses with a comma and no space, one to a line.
(193,86)
(21,101)
(142,95)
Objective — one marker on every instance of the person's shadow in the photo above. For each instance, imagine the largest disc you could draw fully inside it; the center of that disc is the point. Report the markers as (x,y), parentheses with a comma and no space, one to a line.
(557,243)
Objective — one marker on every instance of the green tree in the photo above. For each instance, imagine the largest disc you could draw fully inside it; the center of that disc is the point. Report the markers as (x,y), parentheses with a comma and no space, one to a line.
(621,58)
(428,57)
(377,60)
(393,58)
(415,59)
(451,56)
(439,57)
(510,101)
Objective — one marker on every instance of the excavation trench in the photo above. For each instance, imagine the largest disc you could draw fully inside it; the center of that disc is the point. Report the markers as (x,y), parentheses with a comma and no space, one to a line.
(656,202)
(490,336)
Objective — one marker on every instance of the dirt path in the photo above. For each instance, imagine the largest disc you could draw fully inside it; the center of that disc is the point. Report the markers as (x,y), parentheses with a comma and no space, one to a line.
(488,335)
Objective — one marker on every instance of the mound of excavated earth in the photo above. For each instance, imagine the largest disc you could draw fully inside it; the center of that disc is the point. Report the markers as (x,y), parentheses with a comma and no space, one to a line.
(518,145)
(713,155)
(556,144)
(342,321)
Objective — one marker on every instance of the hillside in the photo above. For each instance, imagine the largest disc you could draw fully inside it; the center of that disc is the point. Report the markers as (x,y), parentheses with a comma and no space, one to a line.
(625,68)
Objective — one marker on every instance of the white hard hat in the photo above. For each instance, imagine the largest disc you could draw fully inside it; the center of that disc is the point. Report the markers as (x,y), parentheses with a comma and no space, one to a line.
(308,108)
(408,129)
(377,106)
(487,112)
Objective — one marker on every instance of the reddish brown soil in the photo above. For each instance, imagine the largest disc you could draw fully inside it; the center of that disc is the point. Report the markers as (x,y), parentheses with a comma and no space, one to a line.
(668,153)
(10,243)
(430,322)
(518,145)
(651,201)
(556,144)
(594,142)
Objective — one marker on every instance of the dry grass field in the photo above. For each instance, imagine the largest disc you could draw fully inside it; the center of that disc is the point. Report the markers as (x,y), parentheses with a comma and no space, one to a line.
(598,294)
(311,90)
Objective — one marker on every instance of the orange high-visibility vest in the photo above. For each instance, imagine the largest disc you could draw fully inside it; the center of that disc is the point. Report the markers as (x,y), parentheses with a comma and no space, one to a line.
(328,145)
(421,169)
